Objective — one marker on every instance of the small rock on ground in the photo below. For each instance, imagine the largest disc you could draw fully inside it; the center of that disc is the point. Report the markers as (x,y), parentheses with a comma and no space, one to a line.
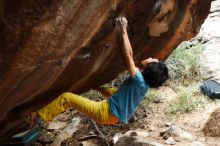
(170,141)
(56,125)
(177,133)
(197,143)
(46,138)
(139,133)
(67,132)
(87,143)
(135,141)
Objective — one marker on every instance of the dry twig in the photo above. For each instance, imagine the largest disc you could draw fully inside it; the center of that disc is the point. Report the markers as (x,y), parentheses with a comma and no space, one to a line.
(100,132)
(87,137)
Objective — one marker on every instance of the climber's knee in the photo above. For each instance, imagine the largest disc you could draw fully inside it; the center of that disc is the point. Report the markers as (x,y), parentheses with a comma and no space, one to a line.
(65,99)
(66,94)
(69,97)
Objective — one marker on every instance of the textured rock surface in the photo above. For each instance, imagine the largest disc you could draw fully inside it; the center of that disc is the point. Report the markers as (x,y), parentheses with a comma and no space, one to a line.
(48,47)
(210,29)
(212,127)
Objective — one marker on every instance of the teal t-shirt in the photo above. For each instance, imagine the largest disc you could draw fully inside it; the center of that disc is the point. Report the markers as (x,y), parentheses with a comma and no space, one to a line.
(126,100)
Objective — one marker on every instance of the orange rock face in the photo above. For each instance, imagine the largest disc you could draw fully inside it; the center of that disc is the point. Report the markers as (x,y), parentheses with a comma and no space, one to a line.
(48,47)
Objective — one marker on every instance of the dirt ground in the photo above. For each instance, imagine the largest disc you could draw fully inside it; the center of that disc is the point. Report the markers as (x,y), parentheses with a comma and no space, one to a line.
(152,118)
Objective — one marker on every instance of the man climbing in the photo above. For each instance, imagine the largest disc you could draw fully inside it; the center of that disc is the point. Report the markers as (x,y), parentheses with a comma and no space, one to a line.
(121,103)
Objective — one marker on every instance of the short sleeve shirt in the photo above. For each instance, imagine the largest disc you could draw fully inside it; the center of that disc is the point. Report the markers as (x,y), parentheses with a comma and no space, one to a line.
(126,100)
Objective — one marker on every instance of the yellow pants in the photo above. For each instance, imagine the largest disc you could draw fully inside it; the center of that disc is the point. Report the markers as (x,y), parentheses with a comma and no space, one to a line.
(98,111)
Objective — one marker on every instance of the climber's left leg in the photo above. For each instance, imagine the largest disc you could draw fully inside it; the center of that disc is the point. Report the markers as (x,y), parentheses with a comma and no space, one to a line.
(98,111)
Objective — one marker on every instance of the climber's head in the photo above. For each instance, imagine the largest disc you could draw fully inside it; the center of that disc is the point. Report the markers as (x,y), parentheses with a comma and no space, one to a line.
(155,72)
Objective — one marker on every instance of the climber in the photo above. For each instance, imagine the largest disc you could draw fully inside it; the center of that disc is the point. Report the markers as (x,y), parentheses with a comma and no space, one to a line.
(121,103)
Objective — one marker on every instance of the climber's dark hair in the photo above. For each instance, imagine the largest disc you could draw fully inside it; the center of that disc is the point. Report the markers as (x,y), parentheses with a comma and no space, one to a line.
(155,74)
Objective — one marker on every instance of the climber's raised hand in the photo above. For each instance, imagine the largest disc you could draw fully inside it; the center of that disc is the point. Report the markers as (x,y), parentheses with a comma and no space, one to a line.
(121,24)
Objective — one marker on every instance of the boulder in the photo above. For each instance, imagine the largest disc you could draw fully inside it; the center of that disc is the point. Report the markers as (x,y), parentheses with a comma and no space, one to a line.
(212,127)
(49,47)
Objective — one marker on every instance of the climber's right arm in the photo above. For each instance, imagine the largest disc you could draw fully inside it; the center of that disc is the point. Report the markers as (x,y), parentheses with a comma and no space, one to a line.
(126,46)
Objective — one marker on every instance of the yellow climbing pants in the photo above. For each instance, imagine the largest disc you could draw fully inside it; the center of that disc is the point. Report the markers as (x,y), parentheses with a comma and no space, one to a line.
(98,111)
